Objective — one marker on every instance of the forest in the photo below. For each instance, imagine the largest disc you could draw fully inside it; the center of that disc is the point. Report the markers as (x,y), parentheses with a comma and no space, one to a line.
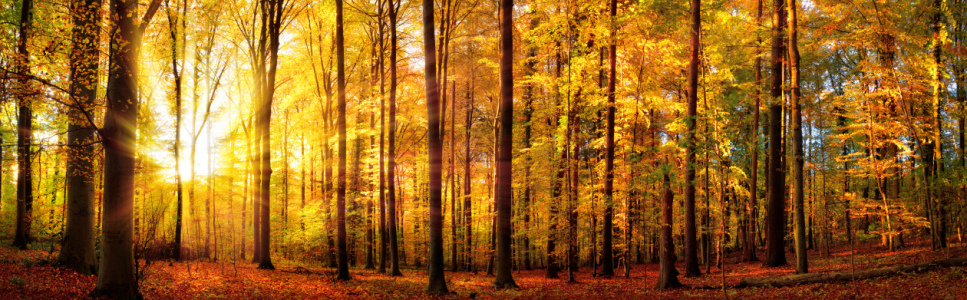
(278,149)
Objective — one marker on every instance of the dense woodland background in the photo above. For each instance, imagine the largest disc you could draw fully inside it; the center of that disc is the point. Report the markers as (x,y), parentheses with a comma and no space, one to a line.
(484,136)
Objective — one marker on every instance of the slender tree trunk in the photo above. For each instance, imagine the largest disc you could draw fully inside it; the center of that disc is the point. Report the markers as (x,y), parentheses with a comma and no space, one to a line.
(504,200)
(342,252)
(572,251)
(561,165)
(467,200)
(437,283)
(453,185)
(274,14)
(936,164)
(607,259)
(25,116)
(748,248)
(802,264)
(776,216)
(77,247)
(391,164)
(667,274)
(691,254)
(383,238)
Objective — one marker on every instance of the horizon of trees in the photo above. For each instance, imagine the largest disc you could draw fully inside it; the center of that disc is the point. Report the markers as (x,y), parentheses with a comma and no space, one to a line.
(477,135)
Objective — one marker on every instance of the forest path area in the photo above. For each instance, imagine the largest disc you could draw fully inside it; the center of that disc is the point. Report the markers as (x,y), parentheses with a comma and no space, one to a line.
(30,275)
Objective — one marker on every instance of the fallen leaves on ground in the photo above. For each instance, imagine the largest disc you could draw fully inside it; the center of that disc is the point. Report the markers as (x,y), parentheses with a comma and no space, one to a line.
(32,275)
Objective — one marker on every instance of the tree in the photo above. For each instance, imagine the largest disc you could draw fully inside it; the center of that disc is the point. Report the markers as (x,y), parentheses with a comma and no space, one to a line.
(776,215)
(437,283)
(391,160)
(173,26)
(667,274)
(77,248)
(802,264)
(343,272)
(383,238)
(748,248)
(691,247)
(25,117)
(116,278)
(504,278)
(607,258)
(468,209)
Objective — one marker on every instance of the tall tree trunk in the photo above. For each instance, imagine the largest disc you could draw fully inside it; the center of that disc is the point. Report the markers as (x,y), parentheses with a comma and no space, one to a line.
(437,283)
(391,164)
(572,202)
(691,254)
(802,264)
(342,252)
(667,274)
(274,13)
(936,161)
(116,273)
(453,185)
(776,214)
(77,248)
(553,211)
(748,248)
(607,255)
(504,200)
(25,116)
(468,209)
(383,238)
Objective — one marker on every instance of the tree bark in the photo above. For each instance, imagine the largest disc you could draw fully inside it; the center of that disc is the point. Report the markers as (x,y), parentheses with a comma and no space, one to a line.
(341,248)
(802,263)
(391,160)
(561,165)
(116,273)
(25,116)
(800,279)
(468,209)
(691,251)
(437,283)
(776,216)
(748,248)
(77,248)
(607,255)
(504,200)
(383,238)
(667,274)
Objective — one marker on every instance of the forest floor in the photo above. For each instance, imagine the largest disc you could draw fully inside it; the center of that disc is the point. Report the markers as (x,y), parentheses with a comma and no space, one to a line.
(30,275)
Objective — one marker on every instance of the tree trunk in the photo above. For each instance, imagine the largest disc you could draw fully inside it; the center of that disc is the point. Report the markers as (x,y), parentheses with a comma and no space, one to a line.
(776,216)
(453,185)
(607,255)
(342,251)
(25,116)
(936,162)
(748,248)
(77,247)
(391,164)
(691,254)
(383,238)
(437,283)
(572,219)
(504,200)
(274,14)
(468,209)
(667,274)
(116,273)
(802,264)
(800,279)
(552,234)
